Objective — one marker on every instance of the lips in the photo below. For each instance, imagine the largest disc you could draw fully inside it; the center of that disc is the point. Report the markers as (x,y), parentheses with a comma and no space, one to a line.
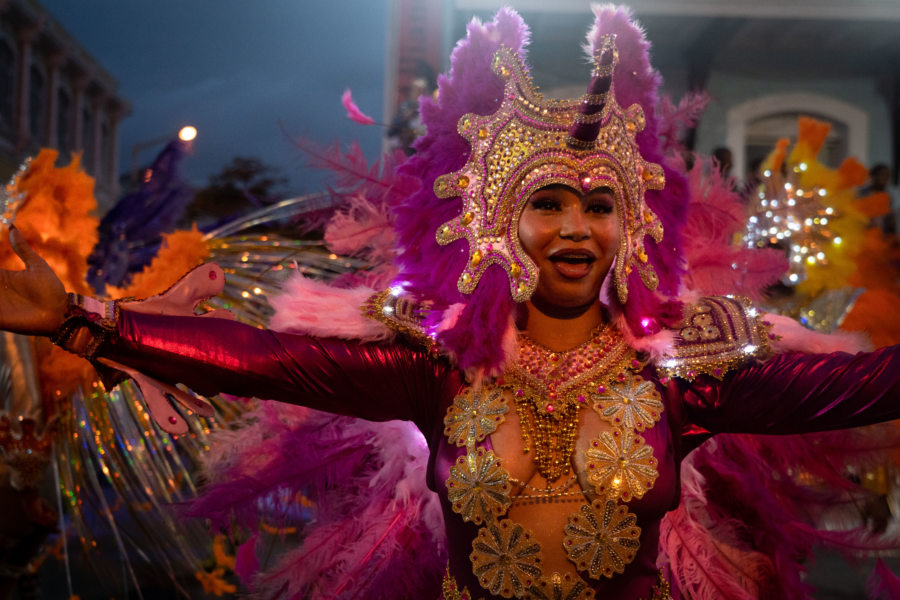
(573,263)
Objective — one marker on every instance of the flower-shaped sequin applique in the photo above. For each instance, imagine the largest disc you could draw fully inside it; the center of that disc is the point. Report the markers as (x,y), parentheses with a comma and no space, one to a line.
(621,465)
(602,538)
(506,559)
(631,402)
(478,487)
(560,587)
(474,415)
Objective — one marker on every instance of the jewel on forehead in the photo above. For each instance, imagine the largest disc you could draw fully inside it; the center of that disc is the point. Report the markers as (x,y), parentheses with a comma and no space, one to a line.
(531,142)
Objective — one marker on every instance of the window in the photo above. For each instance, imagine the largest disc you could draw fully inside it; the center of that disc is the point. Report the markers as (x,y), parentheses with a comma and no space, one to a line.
(36,105)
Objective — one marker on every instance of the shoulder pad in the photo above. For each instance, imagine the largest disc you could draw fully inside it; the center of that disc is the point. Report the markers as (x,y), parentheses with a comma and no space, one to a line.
(717,335)
(402,314)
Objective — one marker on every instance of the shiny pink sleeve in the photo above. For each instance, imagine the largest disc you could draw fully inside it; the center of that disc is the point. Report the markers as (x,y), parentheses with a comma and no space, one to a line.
(799,393)
(373,381)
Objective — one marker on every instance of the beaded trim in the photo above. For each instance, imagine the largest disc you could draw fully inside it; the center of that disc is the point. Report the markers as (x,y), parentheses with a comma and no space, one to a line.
(401,314)
(717,335)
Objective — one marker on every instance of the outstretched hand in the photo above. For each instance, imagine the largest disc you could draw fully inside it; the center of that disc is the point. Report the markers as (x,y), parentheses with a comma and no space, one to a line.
(32,301)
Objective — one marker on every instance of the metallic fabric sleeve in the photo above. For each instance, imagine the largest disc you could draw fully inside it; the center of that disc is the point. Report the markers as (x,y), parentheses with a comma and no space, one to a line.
(799,393)
(372,381)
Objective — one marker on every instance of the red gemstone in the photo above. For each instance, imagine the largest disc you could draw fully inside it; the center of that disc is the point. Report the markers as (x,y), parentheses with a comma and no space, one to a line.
(213,275)
(550,408)
(601,389)
(173,420)
(582,399)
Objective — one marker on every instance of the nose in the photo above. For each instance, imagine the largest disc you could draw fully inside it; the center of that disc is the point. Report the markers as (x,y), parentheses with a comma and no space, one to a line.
(574,225)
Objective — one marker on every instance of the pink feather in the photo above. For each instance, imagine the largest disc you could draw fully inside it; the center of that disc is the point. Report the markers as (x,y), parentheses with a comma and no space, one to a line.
(353,112)
(883,583)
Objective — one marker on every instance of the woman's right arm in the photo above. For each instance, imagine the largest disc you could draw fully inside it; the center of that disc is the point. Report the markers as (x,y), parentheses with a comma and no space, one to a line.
(371,381)
(375,381)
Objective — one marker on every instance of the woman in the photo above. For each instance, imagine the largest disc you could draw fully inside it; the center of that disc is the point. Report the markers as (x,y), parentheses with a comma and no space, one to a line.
(541,350)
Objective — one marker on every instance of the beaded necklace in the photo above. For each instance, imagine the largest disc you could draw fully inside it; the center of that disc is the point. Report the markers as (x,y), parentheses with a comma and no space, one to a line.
(549,389)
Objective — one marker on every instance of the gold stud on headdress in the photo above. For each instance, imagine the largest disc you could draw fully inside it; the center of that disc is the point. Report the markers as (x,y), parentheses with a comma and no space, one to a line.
(527,145)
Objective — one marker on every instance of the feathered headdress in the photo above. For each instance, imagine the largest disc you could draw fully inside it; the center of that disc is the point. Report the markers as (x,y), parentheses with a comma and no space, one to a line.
(492,140)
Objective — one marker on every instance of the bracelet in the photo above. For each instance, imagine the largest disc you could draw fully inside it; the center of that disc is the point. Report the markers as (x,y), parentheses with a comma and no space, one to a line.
(88,323)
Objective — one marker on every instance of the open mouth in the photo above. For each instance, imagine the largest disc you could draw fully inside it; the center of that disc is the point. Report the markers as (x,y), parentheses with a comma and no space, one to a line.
(573,264)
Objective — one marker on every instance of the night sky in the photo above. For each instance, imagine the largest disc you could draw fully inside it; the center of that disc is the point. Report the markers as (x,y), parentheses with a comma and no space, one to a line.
(247,74)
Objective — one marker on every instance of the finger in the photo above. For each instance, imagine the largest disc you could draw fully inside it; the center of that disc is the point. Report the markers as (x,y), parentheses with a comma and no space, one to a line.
(24,251)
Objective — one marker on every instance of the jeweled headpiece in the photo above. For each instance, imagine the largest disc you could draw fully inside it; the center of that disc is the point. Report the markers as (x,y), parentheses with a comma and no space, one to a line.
(531,142)
(491,140)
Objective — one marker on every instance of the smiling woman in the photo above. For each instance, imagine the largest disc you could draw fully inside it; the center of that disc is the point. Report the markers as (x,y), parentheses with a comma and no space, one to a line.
(554,442)
(572,238)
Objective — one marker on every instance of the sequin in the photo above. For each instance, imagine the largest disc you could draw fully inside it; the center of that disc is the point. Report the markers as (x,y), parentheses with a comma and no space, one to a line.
(506,559)
(602,538)
(478,487)
(621,465)
(474,415)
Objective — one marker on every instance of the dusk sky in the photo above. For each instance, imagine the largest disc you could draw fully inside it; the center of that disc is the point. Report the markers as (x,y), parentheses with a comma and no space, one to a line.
(244,73)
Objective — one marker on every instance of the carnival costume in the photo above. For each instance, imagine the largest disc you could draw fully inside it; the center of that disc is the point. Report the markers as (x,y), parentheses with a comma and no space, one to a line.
(440,347)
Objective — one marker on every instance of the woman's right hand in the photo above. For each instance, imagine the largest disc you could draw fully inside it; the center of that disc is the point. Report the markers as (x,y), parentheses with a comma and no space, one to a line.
(33,301)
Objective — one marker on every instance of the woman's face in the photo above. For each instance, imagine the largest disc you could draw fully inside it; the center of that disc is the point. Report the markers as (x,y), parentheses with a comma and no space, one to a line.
(572,238)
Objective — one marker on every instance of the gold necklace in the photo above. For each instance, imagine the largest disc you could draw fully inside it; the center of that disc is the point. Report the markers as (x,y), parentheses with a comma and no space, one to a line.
(550,388)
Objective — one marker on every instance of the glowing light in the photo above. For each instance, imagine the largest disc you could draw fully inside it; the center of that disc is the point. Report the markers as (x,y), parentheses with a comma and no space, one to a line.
(752,312)
(811,259)
(774,203)
(765,203)
(753,219)
(769,214)
(245,294)
(387,310)
(791,202)
(767,173)
(749,349)
(797,258)
(187,133)
(838,241)
(803,166)
(257,290)
(829,211)
(820,256)
(794,277)
(808,222)
(824,221)
(396,290)
(822,192)
(788,186)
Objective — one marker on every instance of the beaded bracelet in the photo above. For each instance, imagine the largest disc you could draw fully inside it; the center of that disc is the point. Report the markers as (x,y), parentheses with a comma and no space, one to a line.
(87,324)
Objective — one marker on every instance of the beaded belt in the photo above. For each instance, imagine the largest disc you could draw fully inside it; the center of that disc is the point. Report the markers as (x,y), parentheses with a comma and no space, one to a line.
(451,590)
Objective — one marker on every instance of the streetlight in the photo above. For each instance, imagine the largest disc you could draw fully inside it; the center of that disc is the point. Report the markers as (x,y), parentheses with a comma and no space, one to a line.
(186,134)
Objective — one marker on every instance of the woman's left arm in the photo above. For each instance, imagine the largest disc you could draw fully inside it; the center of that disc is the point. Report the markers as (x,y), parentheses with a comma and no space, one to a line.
(798,393)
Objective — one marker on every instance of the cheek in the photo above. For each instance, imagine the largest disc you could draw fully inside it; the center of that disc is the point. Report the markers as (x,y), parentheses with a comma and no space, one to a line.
(607,234)
(531,235)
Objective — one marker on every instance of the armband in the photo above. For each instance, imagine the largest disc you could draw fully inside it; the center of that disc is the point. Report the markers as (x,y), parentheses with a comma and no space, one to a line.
(88,323)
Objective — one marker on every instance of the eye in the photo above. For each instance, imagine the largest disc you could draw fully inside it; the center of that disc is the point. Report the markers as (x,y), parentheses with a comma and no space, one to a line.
(599,207)
(544,203)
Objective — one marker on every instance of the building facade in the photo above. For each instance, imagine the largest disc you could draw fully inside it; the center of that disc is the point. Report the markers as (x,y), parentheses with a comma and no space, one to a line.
(54,94)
